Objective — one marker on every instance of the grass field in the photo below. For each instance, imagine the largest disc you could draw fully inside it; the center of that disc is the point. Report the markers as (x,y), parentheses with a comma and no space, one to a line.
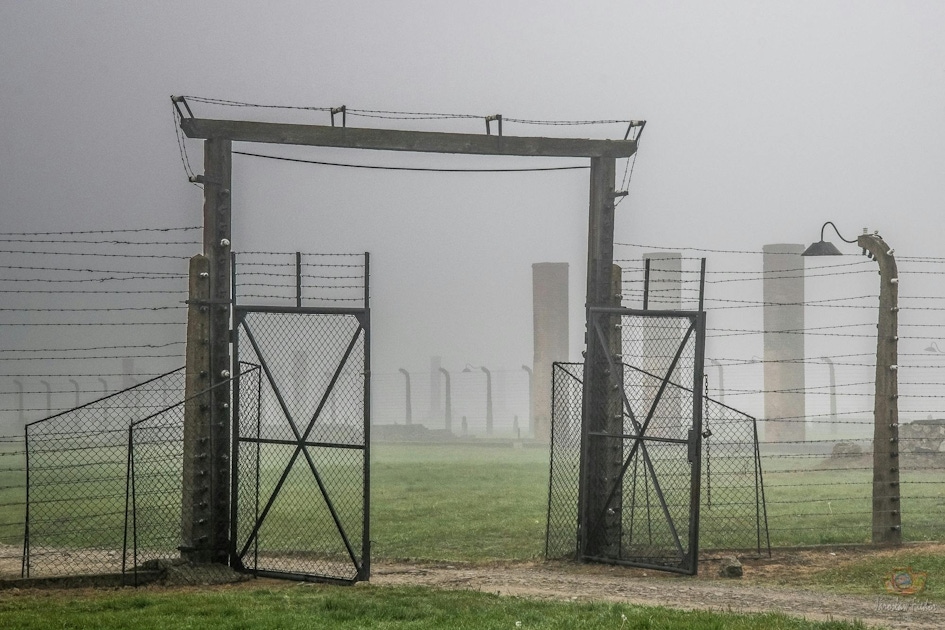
(308,606)
(459,502)
(475,504)
(445,502)
(865,574)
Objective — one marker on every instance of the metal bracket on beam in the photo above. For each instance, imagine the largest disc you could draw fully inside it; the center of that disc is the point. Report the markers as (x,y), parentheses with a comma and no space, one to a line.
(497,118)
(343,110)
(178,101)
(635,123)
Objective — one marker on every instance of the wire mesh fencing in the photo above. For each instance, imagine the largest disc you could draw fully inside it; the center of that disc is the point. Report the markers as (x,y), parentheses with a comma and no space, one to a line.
(77,467)
(302,458)
(103,482)
(561,536)
(733,514)
(12,503)
(792,341)
(732,491)
(155,486)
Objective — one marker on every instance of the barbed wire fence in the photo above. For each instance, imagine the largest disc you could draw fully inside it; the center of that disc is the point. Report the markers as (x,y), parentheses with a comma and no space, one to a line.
(818,487)
(93,324)
(90,313)
(85,315)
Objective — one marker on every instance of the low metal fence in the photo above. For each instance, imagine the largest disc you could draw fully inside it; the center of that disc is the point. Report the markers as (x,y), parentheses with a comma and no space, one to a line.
(102,483)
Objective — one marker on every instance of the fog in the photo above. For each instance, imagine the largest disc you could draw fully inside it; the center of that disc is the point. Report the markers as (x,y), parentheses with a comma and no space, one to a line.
(763,121)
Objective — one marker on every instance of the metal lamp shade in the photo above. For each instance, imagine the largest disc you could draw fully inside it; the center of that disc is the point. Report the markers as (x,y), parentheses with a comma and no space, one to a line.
(822,248)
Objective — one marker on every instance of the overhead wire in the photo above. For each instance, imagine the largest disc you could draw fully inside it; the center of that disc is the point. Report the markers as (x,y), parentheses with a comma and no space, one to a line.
(414,168)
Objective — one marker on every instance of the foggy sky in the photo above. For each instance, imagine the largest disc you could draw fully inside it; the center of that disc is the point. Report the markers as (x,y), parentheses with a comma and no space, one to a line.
(764,120)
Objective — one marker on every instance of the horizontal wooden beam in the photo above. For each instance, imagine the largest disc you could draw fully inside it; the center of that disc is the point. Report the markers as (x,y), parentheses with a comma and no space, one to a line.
(396,140)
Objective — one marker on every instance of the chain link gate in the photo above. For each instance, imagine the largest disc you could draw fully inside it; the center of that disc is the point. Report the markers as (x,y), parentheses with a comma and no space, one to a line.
(641,439)
(301,464)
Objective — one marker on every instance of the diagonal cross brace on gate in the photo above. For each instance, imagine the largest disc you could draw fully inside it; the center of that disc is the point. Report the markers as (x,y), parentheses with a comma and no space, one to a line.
(300,441)
(598,512)
(638,438)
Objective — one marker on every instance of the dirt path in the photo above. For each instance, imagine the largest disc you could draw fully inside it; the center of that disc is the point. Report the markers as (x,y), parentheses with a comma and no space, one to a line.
(756,592)
(782,583)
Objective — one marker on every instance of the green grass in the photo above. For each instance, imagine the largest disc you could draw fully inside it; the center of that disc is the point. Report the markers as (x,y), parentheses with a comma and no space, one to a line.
(817,507)
(866,575)
(445,502)
(12,492)
(459,503)
(313,606)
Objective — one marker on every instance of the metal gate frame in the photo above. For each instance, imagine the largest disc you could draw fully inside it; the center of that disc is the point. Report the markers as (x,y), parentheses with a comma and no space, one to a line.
(240,549)
(604,460)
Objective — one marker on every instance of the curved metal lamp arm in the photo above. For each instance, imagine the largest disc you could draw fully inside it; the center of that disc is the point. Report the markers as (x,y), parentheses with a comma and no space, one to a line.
(824,227)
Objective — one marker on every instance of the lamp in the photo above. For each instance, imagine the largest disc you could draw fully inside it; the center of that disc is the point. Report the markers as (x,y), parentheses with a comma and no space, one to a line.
(825,248)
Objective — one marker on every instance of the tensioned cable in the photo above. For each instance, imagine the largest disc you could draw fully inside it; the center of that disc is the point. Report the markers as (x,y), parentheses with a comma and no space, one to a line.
(157,274)
(96,309)
(18,251)
(309,254)
(99,324)
(639,265)
(694,249)
(182,148)
(99,242)
(390,114)
(114,356)
(93,280)
(413,168)
(147,345)
(170,229)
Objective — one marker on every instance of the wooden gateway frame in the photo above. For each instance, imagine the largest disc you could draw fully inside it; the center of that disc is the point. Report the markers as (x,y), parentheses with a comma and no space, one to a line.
(206,539)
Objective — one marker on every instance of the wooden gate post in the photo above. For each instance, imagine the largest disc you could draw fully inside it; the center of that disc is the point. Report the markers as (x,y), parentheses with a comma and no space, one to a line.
(217,218)
(601,457)
(207,425)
